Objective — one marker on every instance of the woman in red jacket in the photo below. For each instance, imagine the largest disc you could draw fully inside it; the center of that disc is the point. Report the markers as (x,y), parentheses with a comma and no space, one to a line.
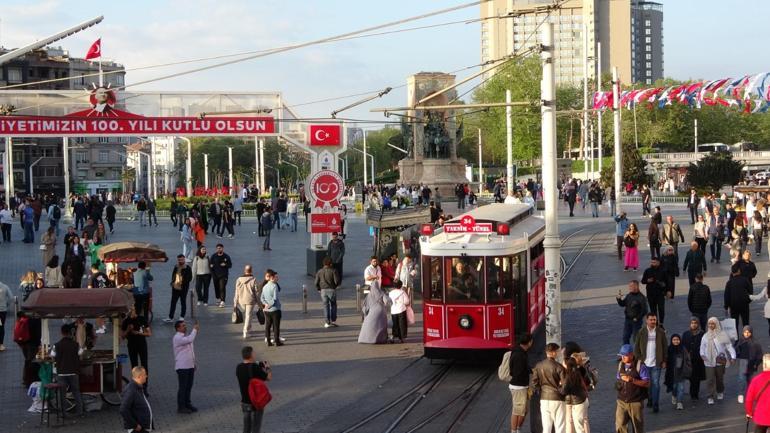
(757,403)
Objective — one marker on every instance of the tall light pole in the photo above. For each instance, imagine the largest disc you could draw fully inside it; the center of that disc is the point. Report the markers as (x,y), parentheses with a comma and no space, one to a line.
(262,166)
(371,159)
(481,167)
(508,145)
(188,171)
(551,243)
(206,171)
(9,186)
(66,159)
(230,170)
(365,159)
(616,130)
(31,180)
(599,112)
(585,102)
(256,163)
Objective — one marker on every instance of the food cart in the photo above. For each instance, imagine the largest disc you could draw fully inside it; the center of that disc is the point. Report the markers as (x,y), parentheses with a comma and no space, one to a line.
(114,254)
(100,372)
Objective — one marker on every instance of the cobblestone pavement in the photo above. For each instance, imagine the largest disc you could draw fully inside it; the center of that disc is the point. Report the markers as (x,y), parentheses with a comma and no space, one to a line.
(322,374)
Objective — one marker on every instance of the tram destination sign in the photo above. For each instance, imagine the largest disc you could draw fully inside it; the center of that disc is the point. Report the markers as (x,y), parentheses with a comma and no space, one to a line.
(461,228)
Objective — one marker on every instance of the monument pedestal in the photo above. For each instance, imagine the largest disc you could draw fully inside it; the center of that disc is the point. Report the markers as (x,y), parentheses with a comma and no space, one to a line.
(443,174)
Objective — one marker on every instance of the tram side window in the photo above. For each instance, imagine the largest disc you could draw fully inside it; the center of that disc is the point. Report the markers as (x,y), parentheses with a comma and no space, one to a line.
(433,279)
(537,261)
(467,279)
(519,274)
(499,284)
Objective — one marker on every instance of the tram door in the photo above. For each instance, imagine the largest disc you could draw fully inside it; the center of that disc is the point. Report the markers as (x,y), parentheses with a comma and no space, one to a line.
(519,293)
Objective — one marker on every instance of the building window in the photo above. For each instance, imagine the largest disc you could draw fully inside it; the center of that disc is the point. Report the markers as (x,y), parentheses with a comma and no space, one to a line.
(81,156)
(647,23)
(648,81)
(104,156)
(104,139)
(80,140)
(14,75)
(648,48)
(18,156)
(82,174)
(121,157)
(647,31)
(648,56)
(119,79)
(648,65)
(648,73)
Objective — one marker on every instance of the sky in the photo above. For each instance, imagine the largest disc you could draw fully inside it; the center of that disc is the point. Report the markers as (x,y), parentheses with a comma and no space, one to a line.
(706,39)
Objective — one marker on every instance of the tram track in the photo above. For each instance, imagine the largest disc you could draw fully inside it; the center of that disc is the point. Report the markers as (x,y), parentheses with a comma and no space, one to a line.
(434,403)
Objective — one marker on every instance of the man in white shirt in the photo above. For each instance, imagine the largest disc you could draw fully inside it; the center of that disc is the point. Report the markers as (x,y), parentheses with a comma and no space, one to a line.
(651,347)
(373,273)
(184,363)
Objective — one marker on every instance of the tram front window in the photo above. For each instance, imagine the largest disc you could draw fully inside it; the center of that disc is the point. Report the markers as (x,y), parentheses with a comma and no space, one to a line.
(466,280)
(499,284)
(433,281)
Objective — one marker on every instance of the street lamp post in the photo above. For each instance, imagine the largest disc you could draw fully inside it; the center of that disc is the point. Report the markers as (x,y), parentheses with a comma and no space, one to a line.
(372,159)
(31,180)
(365,159)
(206,171)
(230,169)
(188,172)
(277,174)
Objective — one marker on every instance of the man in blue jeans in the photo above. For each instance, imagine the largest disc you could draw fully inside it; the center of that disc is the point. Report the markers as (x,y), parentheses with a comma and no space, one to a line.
(634,308)
(326,282)
(652,348)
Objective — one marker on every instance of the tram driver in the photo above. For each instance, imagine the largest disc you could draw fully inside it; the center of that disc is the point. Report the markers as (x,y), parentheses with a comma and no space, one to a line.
(464,285)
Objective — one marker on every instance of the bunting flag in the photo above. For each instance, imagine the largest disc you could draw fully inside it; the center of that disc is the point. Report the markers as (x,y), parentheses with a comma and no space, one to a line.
(749,93)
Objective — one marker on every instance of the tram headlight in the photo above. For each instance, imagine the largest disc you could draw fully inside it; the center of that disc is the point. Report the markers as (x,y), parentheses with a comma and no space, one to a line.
(465,322)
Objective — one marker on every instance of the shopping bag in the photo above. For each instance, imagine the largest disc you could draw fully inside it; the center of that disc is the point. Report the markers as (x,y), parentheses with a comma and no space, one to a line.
(409,315)
(237,316)
(728,325)
(260,316)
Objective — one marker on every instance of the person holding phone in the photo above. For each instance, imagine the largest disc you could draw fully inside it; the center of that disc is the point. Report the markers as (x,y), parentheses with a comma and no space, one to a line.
(633,380)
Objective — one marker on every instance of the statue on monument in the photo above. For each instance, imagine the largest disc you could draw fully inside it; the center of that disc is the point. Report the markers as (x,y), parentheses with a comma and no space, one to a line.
(436,138)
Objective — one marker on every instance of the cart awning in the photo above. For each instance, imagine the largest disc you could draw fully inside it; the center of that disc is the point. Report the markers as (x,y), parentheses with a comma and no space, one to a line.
(122,252)
(59,303)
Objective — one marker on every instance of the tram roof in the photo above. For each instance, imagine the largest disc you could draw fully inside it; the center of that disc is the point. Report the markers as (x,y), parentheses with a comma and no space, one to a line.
(500,212)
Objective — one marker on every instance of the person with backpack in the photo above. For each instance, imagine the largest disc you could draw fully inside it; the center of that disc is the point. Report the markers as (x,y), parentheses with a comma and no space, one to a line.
(515,370)
(632,382)
(54,216)
(246,372)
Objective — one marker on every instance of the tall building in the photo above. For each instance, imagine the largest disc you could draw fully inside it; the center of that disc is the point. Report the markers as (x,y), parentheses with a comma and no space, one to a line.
(512,26)
(95,162)
(646,41)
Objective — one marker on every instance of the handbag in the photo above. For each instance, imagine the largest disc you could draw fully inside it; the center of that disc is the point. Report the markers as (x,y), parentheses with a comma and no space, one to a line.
(409,315)
(237,316)
(260,316)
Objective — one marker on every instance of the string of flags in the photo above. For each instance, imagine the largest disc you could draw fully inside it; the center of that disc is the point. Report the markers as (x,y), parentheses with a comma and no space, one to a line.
(749,93)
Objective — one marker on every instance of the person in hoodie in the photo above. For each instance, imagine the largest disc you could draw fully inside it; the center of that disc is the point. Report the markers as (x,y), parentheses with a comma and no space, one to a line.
(246,297)
(749,356)
(679,369)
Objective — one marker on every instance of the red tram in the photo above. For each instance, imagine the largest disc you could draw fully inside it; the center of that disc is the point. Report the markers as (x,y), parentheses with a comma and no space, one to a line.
(483,280)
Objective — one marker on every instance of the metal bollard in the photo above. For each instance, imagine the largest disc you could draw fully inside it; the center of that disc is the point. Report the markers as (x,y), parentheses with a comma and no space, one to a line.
(192,303)
(304,298)
(358,298)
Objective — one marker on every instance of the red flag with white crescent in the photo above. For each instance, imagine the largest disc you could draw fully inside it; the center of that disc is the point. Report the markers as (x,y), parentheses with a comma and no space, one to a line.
(95,51)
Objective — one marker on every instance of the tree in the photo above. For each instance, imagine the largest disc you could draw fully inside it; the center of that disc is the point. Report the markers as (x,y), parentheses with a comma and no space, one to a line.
(634,167)
(714,171)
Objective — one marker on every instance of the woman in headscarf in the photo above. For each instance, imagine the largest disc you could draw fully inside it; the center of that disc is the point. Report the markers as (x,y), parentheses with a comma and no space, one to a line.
(749,356)
(691,340)
(717,352)
(678,370)
(374,330)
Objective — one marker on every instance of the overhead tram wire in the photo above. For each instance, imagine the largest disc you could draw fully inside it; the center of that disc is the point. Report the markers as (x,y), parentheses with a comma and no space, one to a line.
(243,53)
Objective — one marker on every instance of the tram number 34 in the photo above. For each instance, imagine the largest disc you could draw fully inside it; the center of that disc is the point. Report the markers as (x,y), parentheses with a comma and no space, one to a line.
(430,311)
(500,311)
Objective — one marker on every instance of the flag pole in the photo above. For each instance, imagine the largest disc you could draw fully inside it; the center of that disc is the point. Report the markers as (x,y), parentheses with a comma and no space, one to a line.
(101,75)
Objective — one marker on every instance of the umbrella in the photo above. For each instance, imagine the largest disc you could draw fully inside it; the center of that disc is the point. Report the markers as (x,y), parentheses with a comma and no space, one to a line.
(132,252)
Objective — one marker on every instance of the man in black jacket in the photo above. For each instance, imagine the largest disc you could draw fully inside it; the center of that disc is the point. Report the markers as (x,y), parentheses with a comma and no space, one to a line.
(635,308)
(220,264)
(134,407)
(68,365)
(519,384)
(326,282)
(655,280)
(548,376)
(699,300)
(737,291)
(180,285)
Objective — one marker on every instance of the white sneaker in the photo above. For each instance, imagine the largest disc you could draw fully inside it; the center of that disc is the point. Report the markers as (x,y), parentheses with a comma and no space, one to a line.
(327,325)
(2,348)
(199,303)
(205,304)
(222,304)
(740,399)
(720,396)
(673,399)
(181,318)
(167,320)
(711,401)
(679,406)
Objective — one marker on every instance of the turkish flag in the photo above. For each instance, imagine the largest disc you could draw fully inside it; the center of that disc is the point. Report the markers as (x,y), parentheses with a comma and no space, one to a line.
(95,50)
(325,135)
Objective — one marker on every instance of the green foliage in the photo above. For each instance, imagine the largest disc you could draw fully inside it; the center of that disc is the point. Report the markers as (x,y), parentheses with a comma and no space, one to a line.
(634,168)
(714,171)
(522,77)
(385,157)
